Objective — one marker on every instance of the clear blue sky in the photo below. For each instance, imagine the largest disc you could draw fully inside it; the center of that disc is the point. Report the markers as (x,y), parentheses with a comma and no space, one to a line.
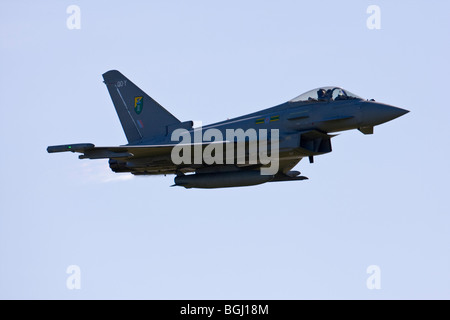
(375,200)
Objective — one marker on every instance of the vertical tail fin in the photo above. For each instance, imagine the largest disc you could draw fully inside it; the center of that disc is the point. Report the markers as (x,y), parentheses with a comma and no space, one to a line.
(141,116)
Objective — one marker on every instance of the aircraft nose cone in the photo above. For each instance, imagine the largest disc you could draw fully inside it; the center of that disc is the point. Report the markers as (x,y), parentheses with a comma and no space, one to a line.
(395,112)
(377,113)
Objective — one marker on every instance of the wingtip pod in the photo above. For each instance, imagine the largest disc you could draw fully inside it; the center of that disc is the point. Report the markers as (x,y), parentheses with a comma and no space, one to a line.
(76,147)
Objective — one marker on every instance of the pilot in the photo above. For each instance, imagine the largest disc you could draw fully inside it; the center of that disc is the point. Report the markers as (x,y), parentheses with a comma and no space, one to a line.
(329,94)
(340,96)
(321,94)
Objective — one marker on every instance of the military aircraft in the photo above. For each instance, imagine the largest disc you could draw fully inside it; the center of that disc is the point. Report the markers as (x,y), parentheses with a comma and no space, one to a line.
(304,127)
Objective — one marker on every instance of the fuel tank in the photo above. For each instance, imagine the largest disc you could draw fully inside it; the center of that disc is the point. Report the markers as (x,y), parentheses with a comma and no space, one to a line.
(222,179)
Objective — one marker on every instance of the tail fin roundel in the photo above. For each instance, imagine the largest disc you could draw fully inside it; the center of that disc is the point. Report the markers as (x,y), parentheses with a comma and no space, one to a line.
(142,118)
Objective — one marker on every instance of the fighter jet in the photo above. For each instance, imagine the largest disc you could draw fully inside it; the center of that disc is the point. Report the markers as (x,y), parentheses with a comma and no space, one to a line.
(303,127)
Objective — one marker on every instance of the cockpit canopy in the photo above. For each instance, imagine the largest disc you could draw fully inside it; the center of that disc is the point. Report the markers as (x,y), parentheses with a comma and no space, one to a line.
(326,94)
